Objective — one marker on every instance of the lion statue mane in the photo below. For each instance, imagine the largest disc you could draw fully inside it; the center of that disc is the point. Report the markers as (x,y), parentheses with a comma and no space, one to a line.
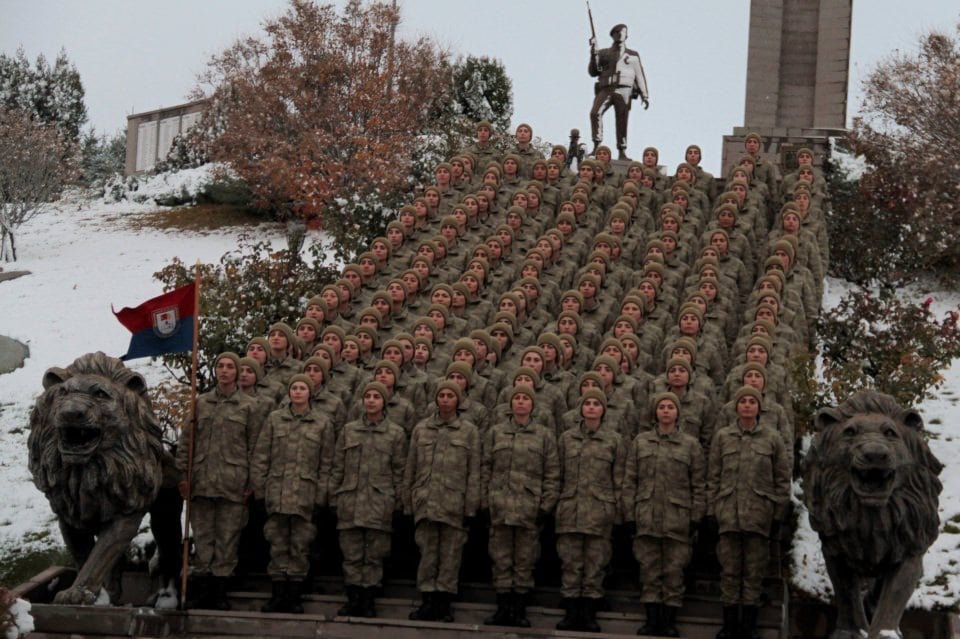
(96,451)
(871,486)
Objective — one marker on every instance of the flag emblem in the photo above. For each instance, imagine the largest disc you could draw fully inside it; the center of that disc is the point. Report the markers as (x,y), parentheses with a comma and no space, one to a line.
(166,321)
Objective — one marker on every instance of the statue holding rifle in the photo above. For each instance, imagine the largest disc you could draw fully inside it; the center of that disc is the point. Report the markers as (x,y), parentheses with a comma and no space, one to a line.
(620,80)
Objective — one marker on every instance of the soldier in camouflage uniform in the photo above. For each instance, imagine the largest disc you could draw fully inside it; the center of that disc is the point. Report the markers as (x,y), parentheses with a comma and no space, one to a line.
(664,492)
(520,476)
(216,480)
(290,471)
(592,457)
(748,490)
(366,483)
(442,492)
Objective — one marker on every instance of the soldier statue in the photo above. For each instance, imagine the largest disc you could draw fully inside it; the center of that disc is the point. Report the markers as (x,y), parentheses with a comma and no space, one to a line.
(620,80)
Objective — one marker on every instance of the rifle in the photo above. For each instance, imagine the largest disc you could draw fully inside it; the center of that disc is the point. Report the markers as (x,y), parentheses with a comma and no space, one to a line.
(593,39)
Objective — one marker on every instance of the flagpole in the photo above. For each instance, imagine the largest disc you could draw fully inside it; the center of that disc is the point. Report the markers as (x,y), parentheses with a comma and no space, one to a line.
(192,425)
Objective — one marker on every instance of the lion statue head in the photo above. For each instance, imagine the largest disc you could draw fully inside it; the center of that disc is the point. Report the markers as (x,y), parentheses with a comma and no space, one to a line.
(871,486)
(95,446)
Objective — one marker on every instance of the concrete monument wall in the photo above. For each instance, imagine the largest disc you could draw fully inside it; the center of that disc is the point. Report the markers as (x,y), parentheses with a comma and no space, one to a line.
(797,72)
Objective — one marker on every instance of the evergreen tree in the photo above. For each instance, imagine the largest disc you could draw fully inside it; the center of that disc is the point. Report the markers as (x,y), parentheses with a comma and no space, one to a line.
(51,95)
(484,91)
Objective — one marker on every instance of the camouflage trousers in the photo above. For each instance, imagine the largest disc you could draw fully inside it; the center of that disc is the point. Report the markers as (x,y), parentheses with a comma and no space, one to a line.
(514,552)
(441,549)
(662,562)
(743,559)
(583,561)
(363,552)
(289,537)
(216,527)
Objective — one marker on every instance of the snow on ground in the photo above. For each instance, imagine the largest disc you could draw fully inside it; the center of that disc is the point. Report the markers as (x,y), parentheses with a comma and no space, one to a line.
(86,256)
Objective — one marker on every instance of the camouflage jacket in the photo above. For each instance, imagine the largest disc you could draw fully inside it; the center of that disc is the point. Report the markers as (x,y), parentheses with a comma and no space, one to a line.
(591,479)
(664,488)
(221,459)
(442,475)
(368,465)
(520,473)
(291,464)
(748,479)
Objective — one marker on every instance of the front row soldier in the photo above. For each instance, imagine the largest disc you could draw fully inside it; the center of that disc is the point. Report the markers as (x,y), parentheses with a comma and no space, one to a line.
(592,457)
(664,493)
(748,494)
(290,471)
(366,484)
(219,480)
(441,489)
(520,477)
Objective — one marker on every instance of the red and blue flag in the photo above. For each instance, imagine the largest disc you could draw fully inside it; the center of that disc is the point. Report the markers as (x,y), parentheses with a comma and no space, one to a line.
(161,325)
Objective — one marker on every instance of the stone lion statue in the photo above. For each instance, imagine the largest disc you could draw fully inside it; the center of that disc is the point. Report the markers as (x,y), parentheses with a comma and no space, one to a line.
(871,486)
(96,452)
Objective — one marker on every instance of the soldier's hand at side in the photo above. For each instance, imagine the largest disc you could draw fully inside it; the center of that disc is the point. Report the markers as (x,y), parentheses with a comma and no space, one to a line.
(646,104)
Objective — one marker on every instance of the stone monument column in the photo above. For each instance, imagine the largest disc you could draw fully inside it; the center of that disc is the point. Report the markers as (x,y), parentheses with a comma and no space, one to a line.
(797,72)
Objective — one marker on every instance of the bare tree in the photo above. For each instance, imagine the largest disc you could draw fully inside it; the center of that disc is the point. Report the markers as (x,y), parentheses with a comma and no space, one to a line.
(35,164)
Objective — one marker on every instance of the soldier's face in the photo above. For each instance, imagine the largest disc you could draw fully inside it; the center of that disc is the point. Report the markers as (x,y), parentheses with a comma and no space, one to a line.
(350,351)
(692,156)
(368,267)
(226,371)
(591,408)
(757,353)
(366,341)
(521,404)
(532,360)
(372,402)
(246,377)
(407,348)
(752,145)
(620,35)
(447,400)
(553,172)
(667,412)
(678,376)
(385,376)
(393,354)
(421,354)
(307,333)
(278,341)
(755,379)
(524,134)
(748,407)
(257,352)
(483,134)
(689,324)
(315,373)
(315,312)
(299,393)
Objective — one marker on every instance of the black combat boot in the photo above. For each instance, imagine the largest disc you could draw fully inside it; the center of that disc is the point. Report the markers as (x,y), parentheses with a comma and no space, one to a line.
(668,621)
(588,620)
(218,593)
(427,609)
(571,617)
(444,606)
(366,604)
(501,617)
(731,623)
(519,610)
(278,597)
(351,607)
(293,601)
(652,624)
(748,622)
(198,592)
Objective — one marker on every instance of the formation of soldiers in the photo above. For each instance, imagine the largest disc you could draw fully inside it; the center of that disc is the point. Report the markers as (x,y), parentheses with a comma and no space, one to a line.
(530,347)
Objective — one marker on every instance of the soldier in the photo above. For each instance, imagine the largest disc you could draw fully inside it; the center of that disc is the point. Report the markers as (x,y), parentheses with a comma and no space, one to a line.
(442,491)
(620,80)
(290,471)
(217,480)
(366,483)
(280,365)
(664,493)
(520,476)
(748,490)
(591,477)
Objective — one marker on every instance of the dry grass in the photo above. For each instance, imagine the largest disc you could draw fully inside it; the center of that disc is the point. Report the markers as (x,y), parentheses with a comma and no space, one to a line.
(199,218)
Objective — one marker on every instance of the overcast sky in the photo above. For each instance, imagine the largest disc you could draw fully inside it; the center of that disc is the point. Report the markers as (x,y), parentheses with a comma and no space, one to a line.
(137,56)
